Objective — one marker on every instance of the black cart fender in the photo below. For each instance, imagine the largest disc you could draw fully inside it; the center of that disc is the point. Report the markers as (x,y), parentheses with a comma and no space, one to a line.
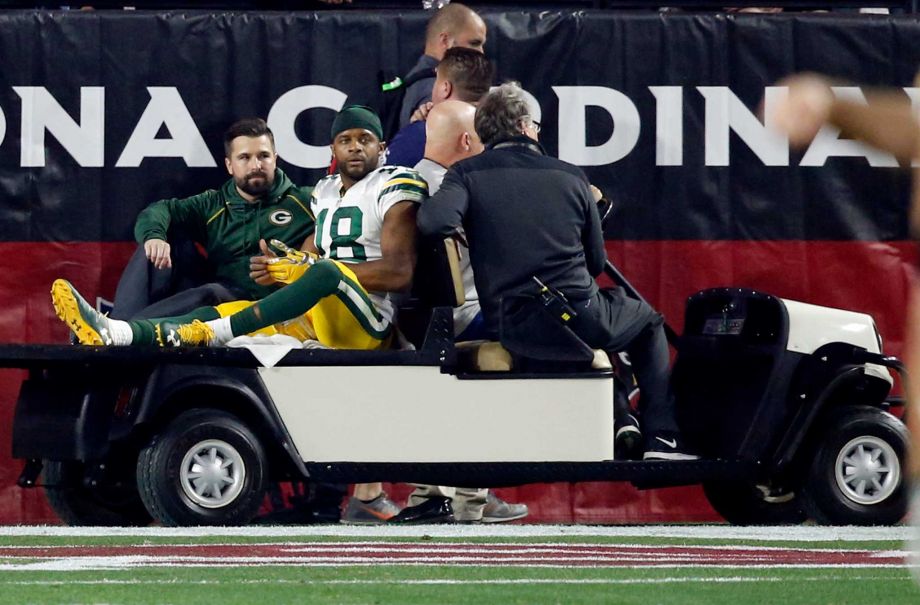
(835,374)
(173,389)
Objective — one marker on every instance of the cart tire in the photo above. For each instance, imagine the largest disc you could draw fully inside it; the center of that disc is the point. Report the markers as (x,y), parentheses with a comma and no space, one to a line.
(78,504)
(205,468)
(746,503)
(857,473)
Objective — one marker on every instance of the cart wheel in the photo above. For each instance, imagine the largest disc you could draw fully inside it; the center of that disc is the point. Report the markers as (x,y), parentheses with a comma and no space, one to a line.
(115,503)
(856,474)
(747,503)
(206,468)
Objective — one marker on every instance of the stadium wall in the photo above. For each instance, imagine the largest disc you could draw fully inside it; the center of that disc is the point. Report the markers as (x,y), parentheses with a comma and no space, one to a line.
(105,112)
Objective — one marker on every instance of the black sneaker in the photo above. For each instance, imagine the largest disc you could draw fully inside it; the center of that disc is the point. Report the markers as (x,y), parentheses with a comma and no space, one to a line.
(667,445)
(431,510)
(627,437)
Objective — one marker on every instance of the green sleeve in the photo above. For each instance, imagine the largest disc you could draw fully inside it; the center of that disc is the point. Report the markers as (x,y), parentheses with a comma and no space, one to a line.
(304,196)
(192,213)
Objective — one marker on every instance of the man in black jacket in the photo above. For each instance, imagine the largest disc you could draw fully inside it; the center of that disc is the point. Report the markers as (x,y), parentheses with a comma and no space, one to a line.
(528,215)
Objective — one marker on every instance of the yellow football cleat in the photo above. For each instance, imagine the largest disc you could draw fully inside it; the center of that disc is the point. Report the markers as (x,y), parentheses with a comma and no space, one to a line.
(195,334)
(89,325)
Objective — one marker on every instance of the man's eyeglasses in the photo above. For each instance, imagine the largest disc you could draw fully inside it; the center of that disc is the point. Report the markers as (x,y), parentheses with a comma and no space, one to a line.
(533,124)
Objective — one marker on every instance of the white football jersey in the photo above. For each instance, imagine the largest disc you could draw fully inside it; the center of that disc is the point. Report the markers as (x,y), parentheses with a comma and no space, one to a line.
(348,227)
(433,173)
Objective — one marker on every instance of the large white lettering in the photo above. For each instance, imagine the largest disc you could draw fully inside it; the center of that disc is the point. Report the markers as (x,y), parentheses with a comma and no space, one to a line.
(828,143)
(914,95)
(669,125)
(166,108)
(725,112)
(573,104)
(42,113)
(283,115)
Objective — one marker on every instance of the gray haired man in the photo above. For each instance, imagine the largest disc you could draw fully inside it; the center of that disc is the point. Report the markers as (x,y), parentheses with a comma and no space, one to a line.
(526,214)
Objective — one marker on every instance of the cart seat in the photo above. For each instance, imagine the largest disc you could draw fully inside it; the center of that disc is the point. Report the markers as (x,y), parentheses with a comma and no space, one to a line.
(491,356)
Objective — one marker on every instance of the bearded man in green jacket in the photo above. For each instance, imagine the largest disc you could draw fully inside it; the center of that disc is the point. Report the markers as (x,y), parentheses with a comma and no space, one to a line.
(258,202)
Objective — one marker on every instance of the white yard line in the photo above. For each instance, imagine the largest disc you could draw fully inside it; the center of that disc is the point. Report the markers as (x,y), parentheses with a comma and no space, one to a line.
(715,532)
(112,564)
(497,548)
(452,582)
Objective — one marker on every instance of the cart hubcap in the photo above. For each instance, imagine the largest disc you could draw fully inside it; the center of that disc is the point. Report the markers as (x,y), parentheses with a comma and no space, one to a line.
(867,470)
(212,473)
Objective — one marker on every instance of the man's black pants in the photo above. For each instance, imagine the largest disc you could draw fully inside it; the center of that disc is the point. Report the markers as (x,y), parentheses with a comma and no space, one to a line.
(144,291)
(611,321)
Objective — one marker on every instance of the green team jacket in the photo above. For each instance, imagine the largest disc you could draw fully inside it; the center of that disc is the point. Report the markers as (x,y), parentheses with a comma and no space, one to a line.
(229,227)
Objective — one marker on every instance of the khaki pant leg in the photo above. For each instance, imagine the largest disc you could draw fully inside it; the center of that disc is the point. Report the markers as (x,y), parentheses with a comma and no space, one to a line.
(469,502)
(424,492)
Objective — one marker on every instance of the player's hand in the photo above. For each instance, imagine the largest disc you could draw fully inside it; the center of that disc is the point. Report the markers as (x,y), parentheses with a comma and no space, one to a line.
(604,204)
(294,255)
(806,108)
(421,112)
(596,193)
(258,265)
(157,251)
(290,267)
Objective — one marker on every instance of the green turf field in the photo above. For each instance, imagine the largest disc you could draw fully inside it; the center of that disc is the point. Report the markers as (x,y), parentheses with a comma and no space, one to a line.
(439,565)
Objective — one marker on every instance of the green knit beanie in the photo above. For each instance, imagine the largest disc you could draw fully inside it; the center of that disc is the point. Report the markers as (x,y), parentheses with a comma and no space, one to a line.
(357,116)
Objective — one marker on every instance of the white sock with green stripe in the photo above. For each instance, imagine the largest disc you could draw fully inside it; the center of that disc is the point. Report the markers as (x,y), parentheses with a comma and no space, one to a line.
(120,331)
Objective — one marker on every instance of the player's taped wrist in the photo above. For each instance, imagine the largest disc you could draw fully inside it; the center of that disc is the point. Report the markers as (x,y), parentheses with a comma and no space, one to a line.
(290,267)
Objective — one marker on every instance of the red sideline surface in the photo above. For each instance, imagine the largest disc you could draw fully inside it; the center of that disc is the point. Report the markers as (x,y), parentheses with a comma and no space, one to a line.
(869,277)
(420,553)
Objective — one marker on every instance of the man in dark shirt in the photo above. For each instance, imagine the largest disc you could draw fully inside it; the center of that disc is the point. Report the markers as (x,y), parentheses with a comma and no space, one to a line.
(527,215)
(453,25)
(462,75)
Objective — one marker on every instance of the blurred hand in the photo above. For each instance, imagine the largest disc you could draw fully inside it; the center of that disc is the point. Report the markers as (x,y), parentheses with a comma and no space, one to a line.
(157,251)
(805,110)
